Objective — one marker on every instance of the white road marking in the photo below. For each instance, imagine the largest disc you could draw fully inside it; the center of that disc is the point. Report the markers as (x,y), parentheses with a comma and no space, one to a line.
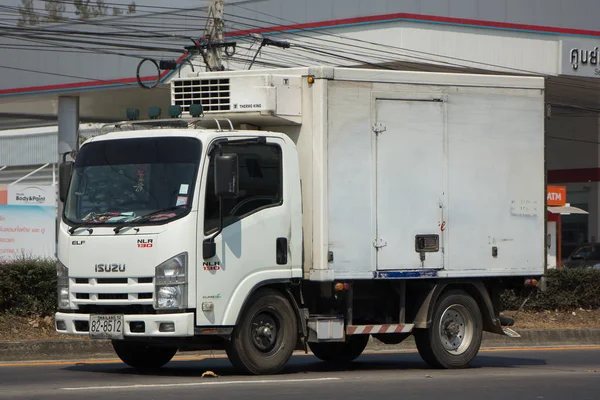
(223,383)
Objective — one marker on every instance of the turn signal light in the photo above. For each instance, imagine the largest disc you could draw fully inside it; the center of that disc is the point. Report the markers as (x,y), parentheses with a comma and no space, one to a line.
(531,282)
(341,286)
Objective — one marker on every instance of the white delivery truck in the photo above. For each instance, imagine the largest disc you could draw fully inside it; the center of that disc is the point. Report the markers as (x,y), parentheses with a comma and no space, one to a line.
(306,208)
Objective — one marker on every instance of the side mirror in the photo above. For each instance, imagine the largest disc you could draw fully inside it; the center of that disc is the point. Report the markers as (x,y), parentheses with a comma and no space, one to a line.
(209,249)
(65,170)
(226,186)
(226,175)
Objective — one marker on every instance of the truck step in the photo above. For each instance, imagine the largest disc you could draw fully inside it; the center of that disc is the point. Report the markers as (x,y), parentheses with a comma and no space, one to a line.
(510,333)
(378,329)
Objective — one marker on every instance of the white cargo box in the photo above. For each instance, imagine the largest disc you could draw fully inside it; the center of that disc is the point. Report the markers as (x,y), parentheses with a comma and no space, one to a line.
(414,174)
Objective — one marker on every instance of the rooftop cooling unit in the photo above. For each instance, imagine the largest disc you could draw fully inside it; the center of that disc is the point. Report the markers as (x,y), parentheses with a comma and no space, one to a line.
(257,99)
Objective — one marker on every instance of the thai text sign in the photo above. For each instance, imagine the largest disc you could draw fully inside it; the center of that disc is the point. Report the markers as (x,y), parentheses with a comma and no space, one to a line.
(579,58)
(27,221)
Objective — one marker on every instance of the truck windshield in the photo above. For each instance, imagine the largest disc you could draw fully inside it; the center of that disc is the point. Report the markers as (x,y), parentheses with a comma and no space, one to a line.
(116,181)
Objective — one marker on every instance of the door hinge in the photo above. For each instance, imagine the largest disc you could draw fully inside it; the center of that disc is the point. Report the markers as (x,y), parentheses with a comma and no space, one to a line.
(379,127)
(379,243)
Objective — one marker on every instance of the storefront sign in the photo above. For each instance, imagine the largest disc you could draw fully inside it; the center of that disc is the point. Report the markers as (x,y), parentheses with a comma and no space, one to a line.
(557,196)
(579,58)
(27,221)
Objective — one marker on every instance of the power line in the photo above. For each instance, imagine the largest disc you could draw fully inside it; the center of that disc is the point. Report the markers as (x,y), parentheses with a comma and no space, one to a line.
(573,140)
(52,73)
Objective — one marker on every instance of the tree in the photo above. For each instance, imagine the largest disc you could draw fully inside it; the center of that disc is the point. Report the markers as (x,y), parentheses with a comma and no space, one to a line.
(100,10)
(54,10)
(28,16)
(82,9)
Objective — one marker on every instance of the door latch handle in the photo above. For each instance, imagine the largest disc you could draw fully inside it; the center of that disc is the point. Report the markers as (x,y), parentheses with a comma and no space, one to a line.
(282,251)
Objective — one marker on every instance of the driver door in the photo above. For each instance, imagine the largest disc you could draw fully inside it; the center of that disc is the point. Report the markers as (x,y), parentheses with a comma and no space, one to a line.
(253,245)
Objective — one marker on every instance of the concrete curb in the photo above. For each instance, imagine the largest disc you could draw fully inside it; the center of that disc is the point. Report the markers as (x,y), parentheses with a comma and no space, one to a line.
(82,349)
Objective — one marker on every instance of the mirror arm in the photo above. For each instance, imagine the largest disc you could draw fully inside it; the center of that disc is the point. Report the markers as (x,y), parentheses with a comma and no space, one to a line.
(209,244)
(220,229)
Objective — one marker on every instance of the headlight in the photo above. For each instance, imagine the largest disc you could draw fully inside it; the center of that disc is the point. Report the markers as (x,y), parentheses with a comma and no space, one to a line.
(62,285)
(171,297)
(171,283)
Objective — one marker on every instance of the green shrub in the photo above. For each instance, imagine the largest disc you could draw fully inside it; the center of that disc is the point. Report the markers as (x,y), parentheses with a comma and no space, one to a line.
(567,289)
(28,287)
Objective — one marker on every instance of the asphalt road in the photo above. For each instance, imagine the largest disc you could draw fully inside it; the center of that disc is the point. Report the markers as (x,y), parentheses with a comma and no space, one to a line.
(511,374)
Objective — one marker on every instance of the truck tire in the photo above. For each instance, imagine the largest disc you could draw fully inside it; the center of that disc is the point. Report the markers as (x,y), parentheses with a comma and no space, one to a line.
(143,356)
(340,352)
(265,338)
(454,338)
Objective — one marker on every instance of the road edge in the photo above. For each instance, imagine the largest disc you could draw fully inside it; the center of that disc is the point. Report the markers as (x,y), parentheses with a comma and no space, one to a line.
(78,349)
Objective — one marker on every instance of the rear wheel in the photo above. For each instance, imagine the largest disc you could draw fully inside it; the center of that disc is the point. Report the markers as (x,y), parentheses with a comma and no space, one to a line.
(454,338)
(340,352)
(143,356)
(266,336)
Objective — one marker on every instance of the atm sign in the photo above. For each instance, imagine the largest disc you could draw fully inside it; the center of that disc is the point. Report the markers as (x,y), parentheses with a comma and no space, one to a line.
(557,196)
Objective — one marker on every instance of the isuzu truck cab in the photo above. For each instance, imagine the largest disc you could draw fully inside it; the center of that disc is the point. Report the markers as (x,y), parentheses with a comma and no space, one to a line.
(285,209)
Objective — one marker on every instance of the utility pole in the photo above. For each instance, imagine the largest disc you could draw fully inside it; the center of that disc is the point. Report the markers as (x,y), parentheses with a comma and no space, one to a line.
(214,35)
(211,45)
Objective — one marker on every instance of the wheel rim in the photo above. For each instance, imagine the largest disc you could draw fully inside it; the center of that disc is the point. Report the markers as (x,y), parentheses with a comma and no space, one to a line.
(265,329)
(456,329)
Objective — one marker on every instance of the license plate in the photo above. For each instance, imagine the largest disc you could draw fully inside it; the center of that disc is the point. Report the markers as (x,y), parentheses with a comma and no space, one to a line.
(106,326)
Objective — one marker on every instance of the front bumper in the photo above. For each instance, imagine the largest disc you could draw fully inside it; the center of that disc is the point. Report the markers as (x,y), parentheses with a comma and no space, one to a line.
(78,324)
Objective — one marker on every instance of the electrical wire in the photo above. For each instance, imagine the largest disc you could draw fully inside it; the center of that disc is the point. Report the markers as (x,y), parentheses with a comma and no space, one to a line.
(573,140)
(374,50)
(51,73)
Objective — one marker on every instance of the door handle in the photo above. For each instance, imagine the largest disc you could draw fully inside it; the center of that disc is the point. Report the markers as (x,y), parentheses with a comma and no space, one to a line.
(282,251)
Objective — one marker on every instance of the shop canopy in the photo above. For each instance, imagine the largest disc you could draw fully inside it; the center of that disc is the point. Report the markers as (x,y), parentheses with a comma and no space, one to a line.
(566,210)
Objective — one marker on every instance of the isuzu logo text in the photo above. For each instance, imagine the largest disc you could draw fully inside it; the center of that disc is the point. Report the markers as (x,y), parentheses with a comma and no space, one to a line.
(110,268)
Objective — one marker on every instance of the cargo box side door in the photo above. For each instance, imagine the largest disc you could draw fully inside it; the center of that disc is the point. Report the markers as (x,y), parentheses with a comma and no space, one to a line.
(411,171)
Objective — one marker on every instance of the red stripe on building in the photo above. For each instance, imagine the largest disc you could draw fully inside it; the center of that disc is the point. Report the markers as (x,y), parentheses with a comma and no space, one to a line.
(83,85)
(574,175)
(417,17)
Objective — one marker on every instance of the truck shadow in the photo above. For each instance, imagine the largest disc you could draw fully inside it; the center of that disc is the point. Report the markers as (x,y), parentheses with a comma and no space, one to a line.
(304,365)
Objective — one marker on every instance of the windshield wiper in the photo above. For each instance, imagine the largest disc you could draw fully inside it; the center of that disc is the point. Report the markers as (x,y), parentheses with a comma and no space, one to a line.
(75,227)
(143,217)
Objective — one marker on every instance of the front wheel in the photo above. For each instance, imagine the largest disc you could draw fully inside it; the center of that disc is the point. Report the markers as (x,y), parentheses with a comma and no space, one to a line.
(340,352)
(454,338)
(143,356)
(266,336)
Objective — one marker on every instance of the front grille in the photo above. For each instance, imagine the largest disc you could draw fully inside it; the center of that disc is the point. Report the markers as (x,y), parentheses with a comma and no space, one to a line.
(112,290)
(109,281)
(116,309)
(213,94)
(112,296)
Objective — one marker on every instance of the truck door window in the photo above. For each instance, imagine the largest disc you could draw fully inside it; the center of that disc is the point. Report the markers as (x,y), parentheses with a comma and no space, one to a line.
(260,184)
